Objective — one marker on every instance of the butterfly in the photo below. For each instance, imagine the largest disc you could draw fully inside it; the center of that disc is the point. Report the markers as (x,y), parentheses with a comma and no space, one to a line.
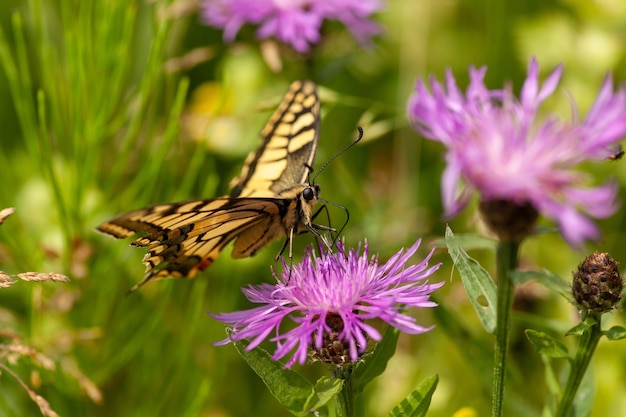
(272,198)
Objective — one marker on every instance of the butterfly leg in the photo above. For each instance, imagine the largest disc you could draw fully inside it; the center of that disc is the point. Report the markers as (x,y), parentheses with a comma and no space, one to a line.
(313,229)
(324,207)
(288,241)
(329,228)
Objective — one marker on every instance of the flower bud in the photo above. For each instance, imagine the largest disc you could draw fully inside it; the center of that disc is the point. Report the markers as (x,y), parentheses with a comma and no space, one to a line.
(510,221)
(597,285)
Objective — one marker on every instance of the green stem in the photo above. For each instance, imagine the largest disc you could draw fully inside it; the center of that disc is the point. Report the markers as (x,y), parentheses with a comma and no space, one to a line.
(506,262)
(345,400)
(586,348)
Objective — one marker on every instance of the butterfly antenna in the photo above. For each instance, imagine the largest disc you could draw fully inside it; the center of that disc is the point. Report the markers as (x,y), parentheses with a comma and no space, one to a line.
(357,140)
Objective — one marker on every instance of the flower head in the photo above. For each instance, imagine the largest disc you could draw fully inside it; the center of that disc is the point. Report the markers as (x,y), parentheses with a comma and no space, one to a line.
(330,298)
(294,22)
(597,285)
(498,145)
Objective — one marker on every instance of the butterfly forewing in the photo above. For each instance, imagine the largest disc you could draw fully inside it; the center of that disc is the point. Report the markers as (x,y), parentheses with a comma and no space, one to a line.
(268,200)
(289,144)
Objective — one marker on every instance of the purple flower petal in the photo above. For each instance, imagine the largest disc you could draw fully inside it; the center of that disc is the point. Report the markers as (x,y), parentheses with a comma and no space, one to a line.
(498,146)
(351,286)
(296,22)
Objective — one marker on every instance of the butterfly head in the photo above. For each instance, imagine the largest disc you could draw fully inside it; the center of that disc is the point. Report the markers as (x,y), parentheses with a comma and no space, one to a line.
(311,193)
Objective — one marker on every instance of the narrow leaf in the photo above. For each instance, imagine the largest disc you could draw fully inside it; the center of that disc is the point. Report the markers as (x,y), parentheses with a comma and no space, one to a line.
(468,242)
(581,327)
(416,404)
(548,280)
(546,345)
(616,333)
(324,390)
(292,390)
(477,282)
(376,363)
(554,385)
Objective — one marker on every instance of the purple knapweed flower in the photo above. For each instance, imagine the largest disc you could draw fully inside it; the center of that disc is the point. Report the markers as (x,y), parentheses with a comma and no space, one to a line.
(330,298)
(499,146)
(294,22)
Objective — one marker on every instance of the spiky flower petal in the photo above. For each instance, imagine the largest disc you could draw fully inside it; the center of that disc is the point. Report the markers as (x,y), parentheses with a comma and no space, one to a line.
(499,146)
(295,22)
(330,299)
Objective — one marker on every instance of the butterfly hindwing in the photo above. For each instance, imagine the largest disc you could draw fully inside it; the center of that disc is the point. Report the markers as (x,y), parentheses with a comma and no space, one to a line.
(270,199)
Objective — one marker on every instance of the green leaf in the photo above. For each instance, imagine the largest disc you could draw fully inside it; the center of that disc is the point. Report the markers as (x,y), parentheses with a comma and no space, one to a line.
(546,345)
(417,402)
(468,242)
(477,282)
(615,333)
(581,327)
(324,390)
(554,386)
(293,391)
(376,363)
(548,280)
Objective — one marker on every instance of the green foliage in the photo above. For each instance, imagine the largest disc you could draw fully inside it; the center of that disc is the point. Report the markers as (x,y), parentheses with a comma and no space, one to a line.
(376,363)
(291,390)
(100,106)
(417,402)
(546,345)
(616,333)
(549,280)
(477,282)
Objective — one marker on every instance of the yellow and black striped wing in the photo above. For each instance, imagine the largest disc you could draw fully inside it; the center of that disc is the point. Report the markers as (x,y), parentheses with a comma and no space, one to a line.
(270,199)
(185,238)
(289,144)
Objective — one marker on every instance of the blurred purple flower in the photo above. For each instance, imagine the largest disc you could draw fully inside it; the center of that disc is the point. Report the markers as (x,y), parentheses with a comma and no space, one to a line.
(498,145)
(322,291)
(294,22)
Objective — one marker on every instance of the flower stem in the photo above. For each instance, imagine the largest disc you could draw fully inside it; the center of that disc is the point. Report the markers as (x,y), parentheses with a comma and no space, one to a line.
(345,400)
(586,348)
(506,262)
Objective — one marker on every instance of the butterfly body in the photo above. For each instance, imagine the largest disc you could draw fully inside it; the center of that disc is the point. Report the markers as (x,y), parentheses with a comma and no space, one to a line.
(272,198)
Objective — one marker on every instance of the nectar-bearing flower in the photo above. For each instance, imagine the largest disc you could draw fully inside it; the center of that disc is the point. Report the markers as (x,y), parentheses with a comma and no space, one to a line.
(518,162)
(323,304)
(294,22)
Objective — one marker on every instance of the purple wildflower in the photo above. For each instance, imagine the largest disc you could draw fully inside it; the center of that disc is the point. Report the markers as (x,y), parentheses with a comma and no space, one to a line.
(334,294)
(497,145)
(294,22)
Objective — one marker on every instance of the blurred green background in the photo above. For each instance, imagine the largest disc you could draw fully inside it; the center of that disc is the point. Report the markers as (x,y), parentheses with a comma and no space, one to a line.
(110,106)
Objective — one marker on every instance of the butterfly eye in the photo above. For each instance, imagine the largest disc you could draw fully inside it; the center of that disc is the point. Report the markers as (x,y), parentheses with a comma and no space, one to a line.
(308,194)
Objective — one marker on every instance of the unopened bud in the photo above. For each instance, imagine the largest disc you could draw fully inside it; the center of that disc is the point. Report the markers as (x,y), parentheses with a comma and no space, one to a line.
(597,285)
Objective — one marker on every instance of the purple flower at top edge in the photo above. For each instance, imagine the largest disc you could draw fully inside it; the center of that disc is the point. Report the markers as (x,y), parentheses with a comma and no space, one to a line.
(334,293)
(499,146)
(294,22)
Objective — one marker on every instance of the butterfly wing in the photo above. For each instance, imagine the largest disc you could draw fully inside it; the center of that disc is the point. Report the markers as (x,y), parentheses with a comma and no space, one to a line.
(286,155)
(268,200)
(185,238)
